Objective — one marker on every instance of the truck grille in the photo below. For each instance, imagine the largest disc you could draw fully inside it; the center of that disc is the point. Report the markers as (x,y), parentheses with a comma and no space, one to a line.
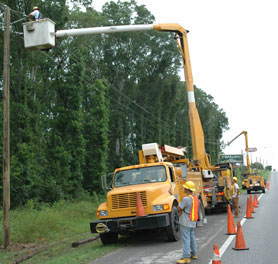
(127,200)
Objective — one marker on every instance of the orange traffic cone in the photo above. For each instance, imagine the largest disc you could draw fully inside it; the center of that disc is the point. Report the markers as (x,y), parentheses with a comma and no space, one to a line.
(140,208)
(240,243)
(248,210)
(267,185)
(216,255)
(231,223)
(256,201)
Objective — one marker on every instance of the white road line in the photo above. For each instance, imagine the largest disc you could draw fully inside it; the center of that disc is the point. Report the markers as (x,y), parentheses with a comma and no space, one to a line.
(230,238)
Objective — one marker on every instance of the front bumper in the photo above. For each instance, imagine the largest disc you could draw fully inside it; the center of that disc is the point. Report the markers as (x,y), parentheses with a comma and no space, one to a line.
(256,188)
(133,223)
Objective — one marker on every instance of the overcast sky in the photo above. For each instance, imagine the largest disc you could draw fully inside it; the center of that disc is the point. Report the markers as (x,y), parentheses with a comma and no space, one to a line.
(233,47)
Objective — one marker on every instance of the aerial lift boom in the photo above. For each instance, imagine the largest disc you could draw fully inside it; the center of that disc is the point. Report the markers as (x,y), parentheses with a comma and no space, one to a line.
(251,181)
(33,40)
(246,149)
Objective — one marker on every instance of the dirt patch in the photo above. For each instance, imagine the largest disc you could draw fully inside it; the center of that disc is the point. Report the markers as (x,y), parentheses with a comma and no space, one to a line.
(20,247)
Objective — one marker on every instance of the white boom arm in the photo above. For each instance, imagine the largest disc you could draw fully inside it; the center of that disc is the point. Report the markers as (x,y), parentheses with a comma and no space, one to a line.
(41,34)
(101,30)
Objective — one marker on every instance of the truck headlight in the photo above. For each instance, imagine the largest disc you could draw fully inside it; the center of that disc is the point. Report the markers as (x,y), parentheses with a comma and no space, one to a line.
(102,213)
(160,207)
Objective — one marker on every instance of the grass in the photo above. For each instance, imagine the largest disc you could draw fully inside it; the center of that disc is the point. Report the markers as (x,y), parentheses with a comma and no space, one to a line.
(51,230)
(265,174)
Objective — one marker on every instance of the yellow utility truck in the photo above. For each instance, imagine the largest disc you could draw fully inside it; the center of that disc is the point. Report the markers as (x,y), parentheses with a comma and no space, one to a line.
(159,184)
(251,181)
(255,183)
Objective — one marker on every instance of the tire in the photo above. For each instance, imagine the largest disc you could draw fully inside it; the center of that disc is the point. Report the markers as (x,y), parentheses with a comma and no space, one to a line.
(263,190)
(248,191)
(173,230)
(109,238)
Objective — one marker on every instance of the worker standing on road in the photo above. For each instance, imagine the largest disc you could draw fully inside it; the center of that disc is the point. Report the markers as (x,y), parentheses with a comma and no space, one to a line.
(188,209)
(36,14)
(235,197)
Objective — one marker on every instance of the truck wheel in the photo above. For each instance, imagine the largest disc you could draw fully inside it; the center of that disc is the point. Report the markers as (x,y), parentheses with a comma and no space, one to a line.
(248,191)
(263,190)
(173,230)
(109,238)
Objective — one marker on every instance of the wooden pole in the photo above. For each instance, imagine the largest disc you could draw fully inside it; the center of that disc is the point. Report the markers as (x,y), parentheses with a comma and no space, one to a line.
(6,130)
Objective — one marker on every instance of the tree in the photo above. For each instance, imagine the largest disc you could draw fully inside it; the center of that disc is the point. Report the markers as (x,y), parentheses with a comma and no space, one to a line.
(268,168)
(257,165)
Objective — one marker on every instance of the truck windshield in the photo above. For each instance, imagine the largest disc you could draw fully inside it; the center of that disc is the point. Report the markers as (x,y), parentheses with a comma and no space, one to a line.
(140,175)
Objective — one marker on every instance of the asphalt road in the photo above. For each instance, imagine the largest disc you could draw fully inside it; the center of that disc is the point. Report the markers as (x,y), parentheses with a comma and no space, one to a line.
(260,235)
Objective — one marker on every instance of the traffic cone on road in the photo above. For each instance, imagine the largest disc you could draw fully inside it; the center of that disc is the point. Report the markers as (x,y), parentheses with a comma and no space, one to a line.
(251,205)
(267,185)
(240,243)
(216,255)
(140,208)
(230,223)
(256,201)
(248,210)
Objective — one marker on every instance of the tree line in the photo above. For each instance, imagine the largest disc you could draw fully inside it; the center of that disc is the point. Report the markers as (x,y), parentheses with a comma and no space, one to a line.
(86,107)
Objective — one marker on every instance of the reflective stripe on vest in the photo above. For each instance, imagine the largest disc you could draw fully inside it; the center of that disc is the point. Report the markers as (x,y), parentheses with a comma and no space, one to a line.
(233,189)
(194,209)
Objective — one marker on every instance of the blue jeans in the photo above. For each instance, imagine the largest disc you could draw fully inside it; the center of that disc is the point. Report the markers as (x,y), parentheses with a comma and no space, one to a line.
(188,241)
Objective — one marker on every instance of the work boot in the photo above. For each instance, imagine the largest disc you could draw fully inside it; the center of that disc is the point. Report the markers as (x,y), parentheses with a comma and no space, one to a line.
(183,260)
(193,256)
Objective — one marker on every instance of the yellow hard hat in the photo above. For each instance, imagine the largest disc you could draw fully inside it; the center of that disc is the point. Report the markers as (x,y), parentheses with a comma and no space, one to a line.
(189,185)
(235,179)
(35,8)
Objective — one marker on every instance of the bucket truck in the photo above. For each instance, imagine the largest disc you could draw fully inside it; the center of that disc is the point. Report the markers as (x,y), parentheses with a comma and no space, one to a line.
(156,182)
(250,181)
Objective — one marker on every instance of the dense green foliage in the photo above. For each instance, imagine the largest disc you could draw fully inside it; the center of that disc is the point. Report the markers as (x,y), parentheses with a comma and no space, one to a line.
(269,168)
(85,107)
(257,165)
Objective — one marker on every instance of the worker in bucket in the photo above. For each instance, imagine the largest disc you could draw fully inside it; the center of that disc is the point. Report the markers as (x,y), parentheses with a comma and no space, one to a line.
(35,15)
(235,198)
(188,209)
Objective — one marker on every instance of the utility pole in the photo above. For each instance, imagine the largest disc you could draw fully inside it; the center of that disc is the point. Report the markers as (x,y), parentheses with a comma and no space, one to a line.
(6,130)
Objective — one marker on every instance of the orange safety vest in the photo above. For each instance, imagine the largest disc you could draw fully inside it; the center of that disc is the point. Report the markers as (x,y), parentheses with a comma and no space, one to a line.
(194,209)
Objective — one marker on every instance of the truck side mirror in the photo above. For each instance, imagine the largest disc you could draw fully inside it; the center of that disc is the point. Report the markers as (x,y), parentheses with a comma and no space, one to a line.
(107,178)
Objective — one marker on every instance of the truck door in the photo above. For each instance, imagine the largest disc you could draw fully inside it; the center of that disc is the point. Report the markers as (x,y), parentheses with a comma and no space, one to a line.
(174,182)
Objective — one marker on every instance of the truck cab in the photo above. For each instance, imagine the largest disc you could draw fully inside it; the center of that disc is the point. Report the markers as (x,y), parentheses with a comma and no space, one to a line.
(158,187)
